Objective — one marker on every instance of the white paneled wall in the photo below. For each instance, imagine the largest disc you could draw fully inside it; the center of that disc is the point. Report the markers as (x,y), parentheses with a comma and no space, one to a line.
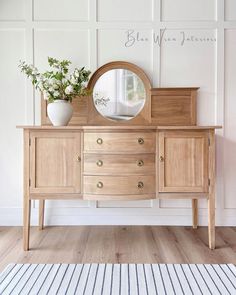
(125,11)
(178,43)
(230,120)
(63,10)
(191,63)
(230,8)
(188,10)
(111,46)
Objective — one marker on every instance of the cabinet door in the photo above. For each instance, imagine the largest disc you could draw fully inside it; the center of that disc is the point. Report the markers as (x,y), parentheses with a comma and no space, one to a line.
(55,162)
(183,161)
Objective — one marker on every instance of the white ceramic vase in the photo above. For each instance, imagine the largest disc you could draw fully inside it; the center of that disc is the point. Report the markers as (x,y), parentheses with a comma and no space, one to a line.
(60,112)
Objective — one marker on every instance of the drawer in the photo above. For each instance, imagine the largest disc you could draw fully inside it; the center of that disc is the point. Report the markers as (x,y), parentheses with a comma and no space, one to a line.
(119,185)
(133,142)
(119,164)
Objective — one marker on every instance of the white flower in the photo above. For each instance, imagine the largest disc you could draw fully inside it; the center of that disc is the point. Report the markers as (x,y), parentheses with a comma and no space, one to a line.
(55,86)
(69,89)
(51,89)
(73,80)
(35,71)
(76,73)
(51,81)
(56,93)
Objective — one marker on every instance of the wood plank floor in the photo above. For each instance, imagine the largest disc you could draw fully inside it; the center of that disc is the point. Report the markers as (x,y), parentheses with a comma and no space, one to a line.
(117,244)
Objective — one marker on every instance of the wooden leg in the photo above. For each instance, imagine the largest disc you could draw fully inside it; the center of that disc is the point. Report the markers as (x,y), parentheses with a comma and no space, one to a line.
(195,212)
(211,221)
(41,213)
(26,223)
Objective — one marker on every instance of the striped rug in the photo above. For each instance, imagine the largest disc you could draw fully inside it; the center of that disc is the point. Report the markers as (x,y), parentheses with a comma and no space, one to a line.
(119,279)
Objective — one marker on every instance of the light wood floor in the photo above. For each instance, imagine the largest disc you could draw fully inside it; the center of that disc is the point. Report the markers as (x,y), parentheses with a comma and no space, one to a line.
(117,244)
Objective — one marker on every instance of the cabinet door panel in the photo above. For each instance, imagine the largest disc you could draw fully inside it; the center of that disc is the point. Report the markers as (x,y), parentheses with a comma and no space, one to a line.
(183,161)
(54,162)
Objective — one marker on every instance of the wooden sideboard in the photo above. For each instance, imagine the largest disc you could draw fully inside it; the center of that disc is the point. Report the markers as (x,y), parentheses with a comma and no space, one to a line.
(157,152)
(119,163)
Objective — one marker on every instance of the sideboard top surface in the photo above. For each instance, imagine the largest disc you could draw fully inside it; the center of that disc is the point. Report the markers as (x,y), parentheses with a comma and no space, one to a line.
(116,127)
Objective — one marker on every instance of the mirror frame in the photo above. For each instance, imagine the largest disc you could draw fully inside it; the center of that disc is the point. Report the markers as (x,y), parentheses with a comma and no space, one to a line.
(143,117)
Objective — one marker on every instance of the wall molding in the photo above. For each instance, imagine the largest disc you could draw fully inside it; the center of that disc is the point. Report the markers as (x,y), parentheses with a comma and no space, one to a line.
(157,212)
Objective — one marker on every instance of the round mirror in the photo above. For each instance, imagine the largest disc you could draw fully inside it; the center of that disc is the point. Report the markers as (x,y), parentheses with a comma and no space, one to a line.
(119,94)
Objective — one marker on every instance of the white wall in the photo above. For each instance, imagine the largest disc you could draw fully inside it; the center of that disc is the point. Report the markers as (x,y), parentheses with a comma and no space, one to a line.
(91,33)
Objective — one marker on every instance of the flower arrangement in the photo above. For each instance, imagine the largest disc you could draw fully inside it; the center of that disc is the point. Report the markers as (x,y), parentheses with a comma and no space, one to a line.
(58,84)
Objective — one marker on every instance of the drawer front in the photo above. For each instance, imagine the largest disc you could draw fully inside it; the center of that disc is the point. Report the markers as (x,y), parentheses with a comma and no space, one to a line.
(133,142)
(119,164)
(119,185)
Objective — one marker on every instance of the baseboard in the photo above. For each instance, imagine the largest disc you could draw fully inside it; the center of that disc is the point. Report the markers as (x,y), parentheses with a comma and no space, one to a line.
(82,216)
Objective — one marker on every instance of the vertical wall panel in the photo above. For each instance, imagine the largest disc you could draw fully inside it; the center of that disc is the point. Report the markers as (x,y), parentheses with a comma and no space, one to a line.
(230,119)
(12,10)
(188,10)
(125,10)
(188,59)
(230,10)
(63,10)
(62,44)
(12,109)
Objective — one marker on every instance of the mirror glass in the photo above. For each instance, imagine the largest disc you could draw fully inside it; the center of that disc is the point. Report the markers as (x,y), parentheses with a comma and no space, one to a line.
(119,94)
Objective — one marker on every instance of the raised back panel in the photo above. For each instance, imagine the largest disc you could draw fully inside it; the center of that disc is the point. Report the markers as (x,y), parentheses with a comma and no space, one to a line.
(163,107)
(173,106)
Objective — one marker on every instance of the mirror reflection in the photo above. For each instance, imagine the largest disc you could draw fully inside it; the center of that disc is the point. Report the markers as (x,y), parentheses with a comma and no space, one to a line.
(119,94)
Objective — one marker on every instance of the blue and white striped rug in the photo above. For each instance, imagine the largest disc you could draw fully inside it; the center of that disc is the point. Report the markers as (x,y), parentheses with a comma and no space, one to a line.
(119,279)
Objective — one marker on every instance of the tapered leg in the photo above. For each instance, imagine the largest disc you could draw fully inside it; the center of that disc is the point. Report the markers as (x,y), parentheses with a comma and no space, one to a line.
(26,223)
(41,213)
(195,212)
(211,221)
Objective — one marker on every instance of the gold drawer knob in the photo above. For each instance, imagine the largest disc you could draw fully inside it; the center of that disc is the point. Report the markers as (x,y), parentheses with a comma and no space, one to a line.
(161,159)
(141,140)
(99,163)
(140,163)
(78,159)
(99,141)
(140,184)
(100,184)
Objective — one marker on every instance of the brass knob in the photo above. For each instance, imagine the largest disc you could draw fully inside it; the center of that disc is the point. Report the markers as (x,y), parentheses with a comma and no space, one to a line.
(141,140)
(161,159)
(100,184)
(140,163)
(140,184)
(99,141)
(78,159)
(99,163)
